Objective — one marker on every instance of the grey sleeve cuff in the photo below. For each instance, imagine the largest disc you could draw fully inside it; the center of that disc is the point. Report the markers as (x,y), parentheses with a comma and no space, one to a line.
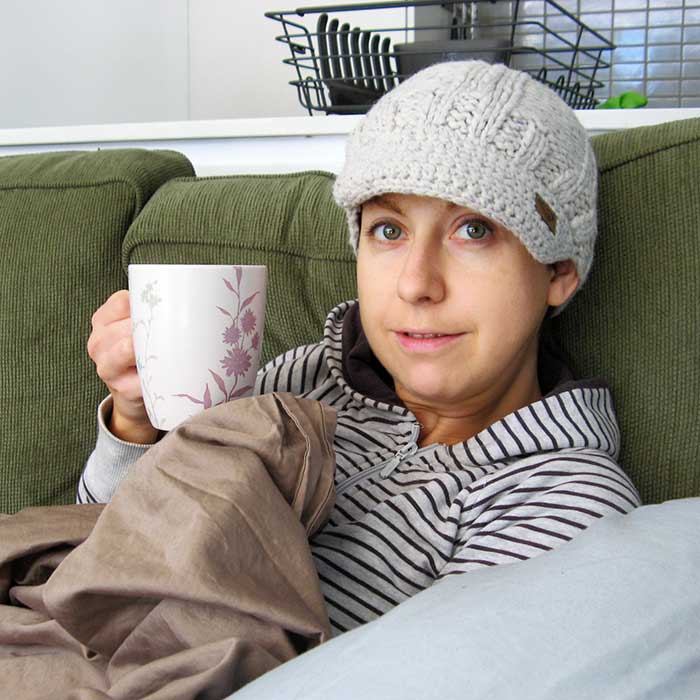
(109,462)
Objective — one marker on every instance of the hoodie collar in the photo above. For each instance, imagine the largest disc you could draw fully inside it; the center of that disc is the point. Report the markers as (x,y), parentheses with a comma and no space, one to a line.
(365,373)
(571,414)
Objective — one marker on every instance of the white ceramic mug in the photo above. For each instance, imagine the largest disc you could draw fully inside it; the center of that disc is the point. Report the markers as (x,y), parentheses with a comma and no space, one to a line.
(197,335)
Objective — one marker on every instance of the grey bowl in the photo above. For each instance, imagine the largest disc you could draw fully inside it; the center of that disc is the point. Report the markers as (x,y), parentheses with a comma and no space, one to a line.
(416,55)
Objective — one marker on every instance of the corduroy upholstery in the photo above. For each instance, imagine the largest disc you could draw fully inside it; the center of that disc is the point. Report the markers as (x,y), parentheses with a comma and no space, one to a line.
(635,322)
(287,222)
(63,217)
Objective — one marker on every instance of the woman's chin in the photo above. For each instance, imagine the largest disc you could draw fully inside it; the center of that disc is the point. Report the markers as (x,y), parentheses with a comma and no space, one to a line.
(430,389)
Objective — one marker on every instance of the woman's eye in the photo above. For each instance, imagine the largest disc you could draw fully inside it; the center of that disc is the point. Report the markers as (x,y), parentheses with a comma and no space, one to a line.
(474,230)
(387,232)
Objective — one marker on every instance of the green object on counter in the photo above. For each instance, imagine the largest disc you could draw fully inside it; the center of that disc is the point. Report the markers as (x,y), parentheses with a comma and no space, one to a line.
(627,100)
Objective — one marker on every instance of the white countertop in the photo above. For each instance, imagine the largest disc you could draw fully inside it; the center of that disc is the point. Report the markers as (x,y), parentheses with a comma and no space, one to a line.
(265,145)
(167,131)
(594,120)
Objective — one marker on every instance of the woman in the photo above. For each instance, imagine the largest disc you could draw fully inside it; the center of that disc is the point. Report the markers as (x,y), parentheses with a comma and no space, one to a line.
(470,191)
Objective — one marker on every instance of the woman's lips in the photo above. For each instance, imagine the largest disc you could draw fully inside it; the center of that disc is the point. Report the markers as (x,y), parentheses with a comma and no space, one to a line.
(425,341)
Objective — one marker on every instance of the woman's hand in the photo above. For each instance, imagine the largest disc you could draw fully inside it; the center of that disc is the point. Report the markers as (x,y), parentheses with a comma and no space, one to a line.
(111,347)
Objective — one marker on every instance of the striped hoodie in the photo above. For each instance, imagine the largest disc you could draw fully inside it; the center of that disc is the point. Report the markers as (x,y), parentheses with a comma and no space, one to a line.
(406,516)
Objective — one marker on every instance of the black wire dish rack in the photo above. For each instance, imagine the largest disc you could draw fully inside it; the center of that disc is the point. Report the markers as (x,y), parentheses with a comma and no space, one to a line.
(343,70)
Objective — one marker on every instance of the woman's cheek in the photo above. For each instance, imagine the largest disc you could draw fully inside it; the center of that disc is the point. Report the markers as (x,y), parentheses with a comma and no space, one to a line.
(469,248)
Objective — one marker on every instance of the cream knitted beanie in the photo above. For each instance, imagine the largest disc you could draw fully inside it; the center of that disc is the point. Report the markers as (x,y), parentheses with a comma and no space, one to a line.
(485,137)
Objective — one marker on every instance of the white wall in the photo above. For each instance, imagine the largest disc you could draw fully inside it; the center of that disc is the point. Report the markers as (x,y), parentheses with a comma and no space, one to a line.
(235,63)
(92,61)
(114,61)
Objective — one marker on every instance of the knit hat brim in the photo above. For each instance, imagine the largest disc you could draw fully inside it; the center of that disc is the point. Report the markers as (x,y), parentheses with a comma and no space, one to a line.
(488,138)
(376,177)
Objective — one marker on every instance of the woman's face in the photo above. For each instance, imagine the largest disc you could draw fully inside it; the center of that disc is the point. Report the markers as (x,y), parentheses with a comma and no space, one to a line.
(452,302)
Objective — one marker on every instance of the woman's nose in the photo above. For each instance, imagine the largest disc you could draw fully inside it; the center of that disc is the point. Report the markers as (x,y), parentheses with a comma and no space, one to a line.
(421,277)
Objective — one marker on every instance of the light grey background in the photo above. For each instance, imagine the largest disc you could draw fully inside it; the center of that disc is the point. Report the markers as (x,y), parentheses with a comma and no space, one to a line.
(114,61)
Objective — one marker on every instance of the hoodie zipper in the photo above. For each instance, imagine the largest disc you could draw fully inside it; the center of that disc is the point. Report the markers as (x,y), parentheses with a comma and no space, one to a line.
(387,467)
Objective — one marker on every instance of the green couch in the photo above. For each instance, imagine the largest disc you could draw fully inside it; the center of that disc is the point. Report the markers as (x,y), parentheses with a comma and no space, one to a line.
(71,222)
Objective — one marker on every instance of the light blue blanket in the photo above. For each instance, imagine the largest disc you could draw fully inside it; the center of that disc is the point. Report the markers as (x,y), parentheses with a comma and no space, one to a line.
(613,614)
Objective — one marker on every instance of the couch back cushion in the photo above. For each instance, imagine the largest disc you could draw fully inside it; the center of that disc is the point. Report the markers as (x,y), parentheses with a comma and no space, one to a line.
(634,323)
(63,217)
(287,222)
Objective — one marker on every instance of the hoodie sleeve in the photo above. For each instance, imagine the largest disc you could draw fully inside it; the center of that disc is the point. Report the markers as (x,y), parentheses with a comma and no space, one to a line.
(109,462)
(557,500)
(295,371)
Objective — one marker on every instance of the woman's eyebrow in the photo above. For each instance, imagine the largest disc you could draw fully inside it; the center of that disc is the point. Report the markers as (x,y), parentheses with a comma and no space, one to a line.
(387,202)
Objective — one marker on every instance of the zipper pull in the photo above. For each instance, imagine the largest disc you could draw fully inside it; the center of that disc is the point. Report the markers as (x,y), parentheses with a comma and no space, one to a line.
(390,466)
(394,462)
(405,451)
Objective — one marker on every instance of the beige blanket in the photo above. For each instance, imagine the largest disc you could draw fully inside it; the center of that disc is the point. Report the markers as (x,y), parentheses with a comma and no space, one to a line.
(193,581)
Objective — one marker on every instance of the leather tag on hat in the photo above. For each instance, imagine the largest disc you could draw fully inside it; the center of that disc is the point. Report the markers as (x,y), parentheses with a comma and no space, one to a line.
(547,213)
